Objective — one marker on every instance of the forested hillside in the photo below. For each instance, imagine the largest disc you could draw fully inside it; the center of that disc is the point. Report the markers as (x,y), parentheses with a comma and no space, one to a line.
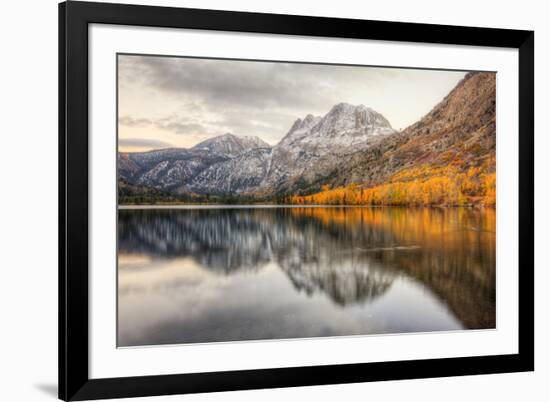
(447,158)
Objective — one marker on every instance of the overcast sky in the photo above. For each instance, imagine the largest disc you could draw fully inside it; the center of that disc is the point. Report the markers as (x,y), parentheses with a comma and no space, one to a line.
(178,102)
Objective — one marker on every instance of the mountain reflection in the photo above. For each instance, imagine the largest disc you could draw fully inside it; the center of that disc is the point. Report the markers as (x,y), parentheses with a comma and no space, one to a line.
(351,255)
(227,241)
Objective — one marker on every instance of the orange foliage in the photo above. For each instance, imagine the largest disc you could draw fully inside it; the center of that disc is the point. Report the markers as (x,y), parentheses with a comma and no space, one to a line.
(490,189)
(424,185)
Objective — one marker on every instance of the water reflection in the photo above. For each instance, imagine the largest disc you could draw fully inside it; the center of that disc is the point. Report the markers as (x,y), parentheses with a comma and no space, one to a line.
(201,275)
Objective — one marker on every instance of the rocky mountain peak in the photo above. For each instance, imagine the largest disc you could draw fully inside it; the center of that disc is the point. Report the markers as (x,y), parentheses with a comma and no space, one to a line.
(310,119)
(301,126)
(231,145)
(471,104)
(343,125)
(253,141)
(342,107)
(360,119)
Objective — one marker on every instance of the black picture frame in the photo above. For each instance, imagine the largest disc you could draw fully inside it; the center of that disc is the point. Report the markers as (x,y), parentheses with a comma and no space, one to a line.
(74,18)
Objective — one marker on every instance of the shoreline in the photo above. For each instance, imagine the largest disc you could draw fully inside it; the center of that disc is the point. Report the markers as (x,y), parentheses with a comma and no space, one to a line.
(265,206)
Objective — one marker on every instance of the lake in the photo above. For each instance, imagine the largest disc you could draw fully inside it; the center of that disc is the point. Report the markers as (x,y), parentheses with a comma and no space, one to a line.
(188,275)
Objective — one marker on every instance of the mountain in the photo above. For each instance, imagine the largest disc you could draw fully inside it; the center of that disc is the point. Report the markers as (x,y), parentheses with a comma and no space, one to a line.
(230,145)
(312,147)
(164,169)
(243,174)
(229,165)
(451,149)
(301,127)
(315,145)
(459,131)
(170,169)
(344,125)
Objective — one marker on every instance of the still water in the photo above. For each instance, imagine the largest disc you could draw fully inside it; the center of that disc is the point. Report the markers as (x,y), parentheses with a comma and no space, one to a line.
(228,274)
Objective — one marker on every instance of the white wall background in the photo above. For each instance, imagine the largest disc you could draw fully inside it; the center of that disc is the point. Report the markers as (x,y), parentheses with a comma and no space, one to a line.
(28,199)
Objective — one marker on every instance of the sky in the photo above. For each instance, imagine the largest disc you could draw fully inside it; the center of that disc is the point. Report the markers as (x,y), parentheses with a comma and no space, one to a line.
(178,102)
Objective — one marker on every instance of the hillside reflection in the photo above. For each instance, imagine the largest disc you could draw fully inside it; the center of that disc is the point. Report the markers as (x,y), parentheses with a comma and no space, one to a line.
(352,256)
(452,250)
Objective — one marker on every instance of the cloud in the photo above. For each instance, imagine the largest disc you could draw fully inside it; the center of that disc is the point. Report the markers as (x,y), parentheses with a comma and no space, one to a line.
(133,122)
(142,143)
(182,128)
(178,126)
(257,85)
(172,123)
(193,99)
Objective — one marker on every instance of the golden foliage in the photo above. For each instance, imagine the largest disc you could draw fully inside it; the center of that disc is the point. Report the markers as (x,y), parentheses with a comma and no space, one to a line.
(423,185)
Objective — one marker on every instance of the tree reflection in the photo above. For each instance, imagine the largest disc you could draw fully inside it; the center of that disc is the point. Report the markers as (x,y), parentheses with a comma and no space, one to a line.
(350,254)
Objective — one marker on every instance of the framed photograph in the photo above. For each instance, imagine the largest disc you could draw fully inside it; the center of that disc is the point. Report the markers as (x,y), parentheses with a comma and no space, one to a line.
(257,201)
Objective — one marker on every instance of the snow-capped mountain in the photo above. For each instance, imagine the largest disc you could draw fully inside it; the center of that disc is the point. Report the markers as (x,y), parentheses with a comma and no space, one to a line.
(170,169)
(165,169)
(344,125)
(243,174)
(300,128)
(314,146)
(230,145)
(233,165)
(459,131)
